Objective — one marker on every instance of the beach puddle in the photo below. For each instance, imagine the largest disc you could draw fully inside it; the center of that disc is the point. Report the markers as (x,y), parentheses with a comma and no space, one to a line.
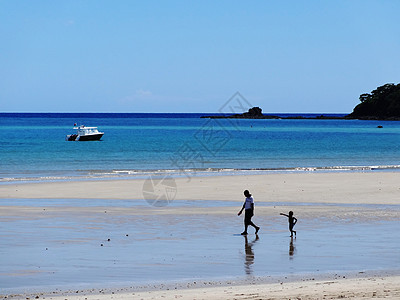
(64,247)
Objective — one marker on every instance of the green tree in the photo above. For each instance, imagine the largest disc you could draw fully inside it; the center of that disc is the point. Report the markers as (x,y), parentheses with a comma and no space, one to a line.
(381,103)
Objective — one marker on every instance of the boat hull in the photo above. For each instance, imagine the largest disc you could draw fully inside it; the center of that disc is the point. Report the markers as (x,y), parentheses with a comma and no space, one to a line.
(90,137)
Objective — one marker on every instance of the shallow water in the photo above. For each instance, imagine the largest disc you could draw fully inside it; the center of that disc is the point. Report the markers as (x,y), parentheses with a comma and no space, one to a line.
(65,250)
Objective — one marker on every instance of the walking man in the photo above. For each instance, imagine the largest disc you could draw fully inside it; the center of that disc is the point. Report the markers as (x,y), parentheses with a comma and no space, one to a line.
(248,207)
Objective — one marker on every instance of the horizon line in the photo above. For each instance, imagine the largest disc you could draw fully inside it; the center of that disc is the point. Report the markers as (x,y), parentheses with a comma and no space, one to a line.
(104,112)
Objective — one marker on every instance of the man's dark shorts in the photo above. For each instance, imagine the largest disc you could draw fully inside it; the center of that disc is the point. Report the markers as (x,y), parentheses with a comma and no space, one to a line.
(248,214)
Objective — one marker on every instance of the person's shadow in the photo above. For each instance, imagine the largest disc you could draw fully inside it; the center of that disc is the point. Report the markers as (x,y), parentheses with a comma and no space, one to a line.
(249,258)
(292,248)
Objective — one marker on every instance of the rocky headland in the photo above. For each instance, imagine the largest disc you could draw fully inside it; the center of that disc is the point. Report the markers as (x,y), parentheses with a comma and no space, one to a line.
(382,103)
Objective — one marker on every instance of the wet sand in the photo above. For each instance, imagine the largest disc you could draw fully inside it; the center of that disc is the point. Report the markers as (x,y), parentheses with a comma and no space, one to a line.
(97,236)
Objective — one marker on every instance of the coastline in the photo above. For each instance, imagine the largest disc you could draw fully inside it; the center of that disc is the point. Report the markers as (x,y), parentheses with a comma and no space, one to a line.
(348,202)
(126,174)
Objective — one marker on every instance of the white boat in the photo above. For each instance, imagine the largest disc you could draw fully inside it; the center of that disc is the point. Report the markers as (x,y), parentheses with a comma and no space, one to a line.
(84,133)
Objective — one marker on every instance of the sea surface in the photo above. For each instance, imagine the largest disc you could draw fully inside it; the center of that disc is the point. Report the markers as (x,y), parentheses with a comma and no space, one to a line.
(33,145)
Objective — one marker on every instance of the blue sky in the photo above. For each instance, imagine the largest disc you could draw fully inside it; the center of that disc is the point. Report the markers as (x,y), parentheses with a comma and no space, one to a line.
(192,56)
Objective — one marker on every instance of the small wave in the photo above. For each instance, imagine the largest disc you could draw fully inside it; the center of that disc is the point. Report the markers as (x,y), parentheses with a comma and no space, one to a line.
(350,168)
(138,174)
(32,179)
(205,171)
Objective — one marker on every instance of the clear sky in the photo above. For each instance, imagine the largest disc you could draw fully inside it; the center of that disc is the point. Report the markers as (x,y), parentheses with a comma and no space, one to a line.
(192,56)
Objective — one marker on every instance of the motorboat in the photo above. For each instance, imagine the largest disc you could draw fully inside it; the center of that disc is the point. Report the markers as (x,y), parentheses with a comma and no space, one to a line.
(84,133)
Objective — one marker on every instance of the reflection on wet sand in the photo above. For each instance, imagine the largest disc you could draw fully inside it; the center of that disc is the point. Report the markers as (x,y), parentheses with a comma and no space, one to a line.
(63,237)
(249,258)
(292,249)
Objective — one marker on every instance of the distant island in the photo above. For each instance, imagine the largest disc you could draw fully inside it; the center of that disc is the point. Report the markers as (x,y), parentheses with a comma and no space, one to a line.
(256,113)
(382,104)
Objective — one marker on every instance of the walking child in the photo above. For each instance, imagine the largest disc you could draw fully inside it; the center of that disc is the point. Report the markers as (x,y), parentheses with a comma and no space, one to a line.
(292,222)
(248,207)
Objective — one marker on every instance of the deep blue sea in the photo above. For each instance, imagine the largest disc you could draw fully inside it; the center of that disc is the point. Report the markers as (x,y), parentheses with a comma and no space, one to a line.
(33,146)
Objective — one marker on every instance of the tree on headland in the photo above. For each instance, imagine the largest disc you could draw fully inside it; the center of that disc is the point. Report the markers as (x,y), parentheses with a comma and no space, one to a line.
(382,103)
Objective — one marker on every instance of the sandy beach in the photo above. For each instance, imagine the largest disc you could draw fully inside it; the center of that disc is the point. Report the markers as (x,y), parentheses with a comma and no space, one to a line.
(308,288)
(340,187)
(360,287)
(76,218)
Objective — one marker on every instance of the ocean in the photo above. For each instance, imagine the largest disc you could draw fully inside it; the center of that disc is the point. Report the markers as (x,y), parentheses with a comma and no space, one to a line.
(33,145)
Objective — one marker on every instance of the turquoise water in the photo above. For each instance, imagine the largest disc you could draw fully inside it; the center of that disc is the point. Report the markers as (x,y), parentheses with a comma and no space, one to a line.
(33,146)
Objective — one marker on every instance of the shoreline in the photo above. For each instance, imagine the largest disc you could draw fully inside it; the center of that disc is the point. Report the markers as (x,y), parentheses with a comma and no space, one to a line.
(189,173)
(355,285)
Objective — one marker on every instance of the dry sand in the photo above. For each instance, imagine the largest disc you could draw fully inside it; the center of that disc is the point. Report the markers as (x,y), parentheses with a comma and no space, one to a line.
(289,190)
(376,287)
(365,288)
(354,188)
